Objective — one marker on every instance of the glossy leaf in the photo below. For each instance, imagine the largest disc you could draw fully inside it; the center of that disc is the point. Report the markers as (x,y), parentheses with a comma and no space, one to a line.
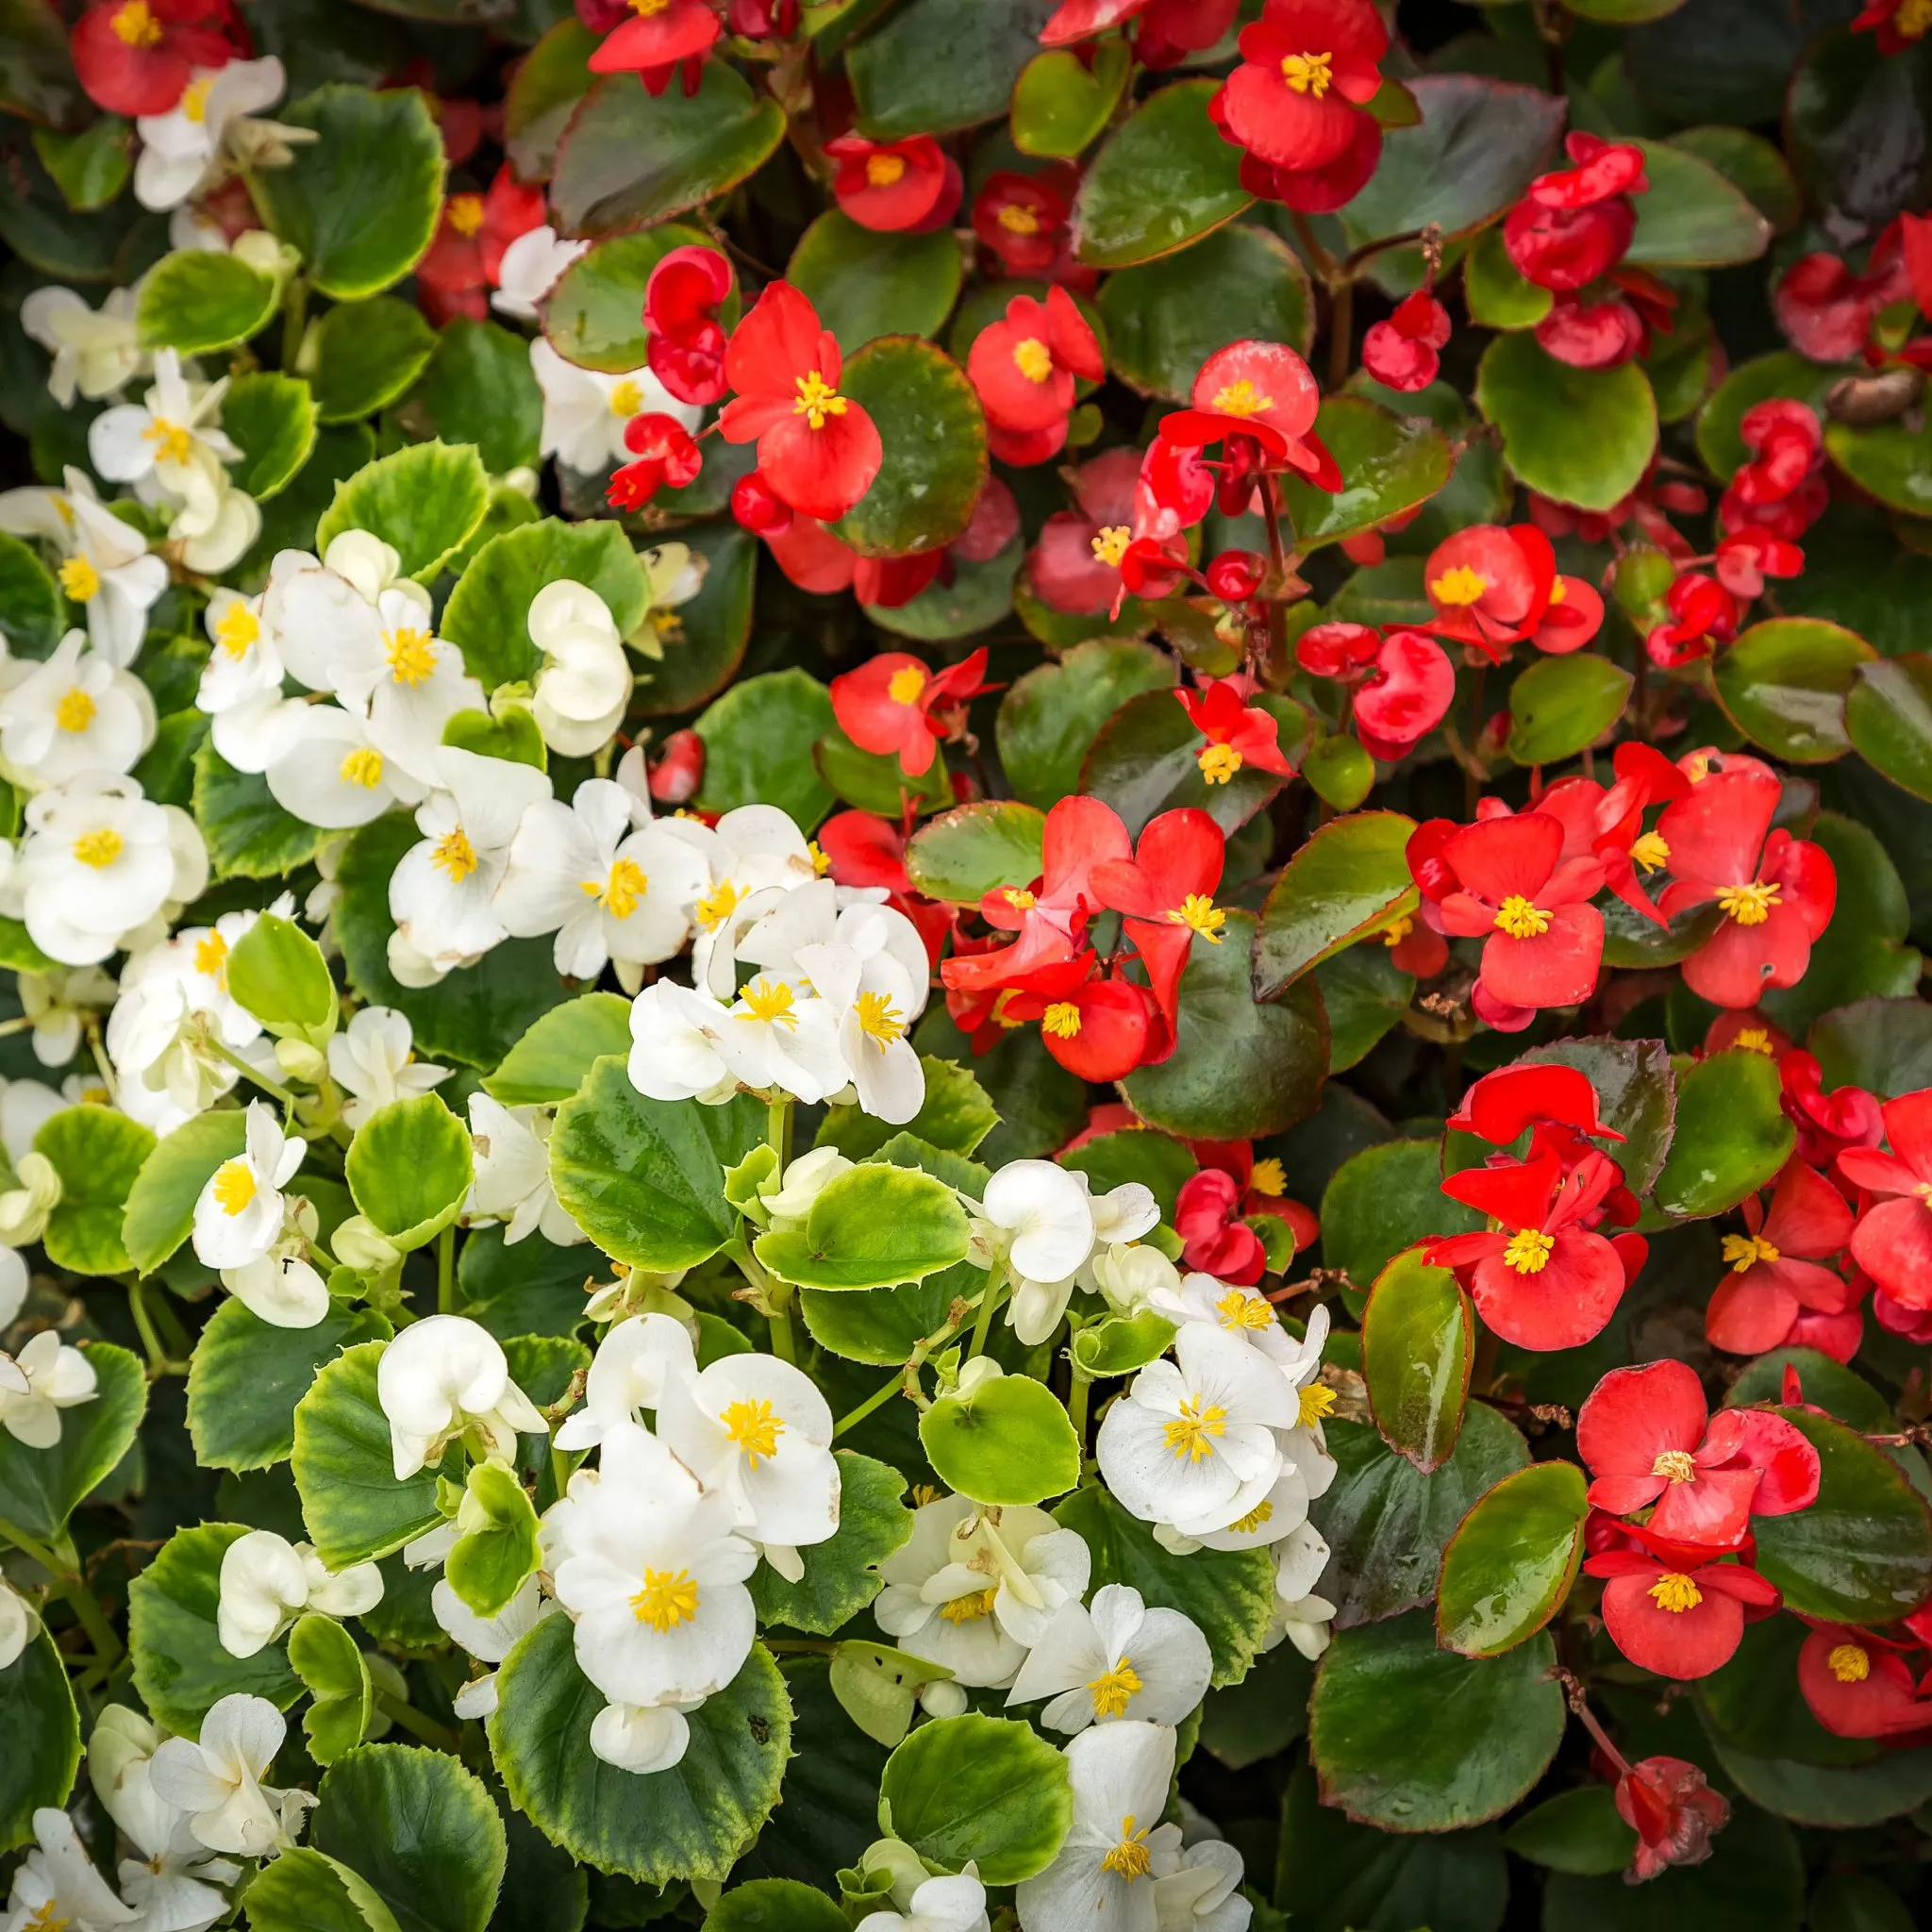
(865,284)
(1005,1441)
(1889,720)
(1349,880)
(1513,1560)
(1583,436)
(987,1788)
(1784,685)
(975,849)
(1731,1136)
(1418,1348)
(869,1227)
(1558,706)
(594,315)
(1162,178)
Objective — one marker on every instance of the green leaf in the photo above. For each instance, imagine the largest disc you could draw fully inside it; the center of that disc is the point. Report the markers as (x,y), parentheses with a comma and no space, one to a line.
(1120,1344)
(1162,178)
(1577,1831)
(352,1505)
(363,354)
(1364,996)
(160,1215)
(870,1227)
(985,1789)
(1281,1048)
(1229,1593)
(361,202)
(276,971)
(409,1168)
(775,1905)
(842,1576)
(487,1563)
(98,1154)
(865,283)
(933,66)
(199,301)
(757,742)
(626,160)
(1888,719)
(246,1376)
(1383,1200)
(1388,464)
(956,1116)
(423,1832)
(645,1178)
(273,418)
(303,1891)
(545,89)
(1828,1383)
(1731,1137)
(551,1061)
(1147,760)
(594,315)
(1050,717)
(1166,317)
(1891,461)
(703,638)
(1784,682)
(37,1712)
(1007,1439)
(1492,1725)
(884,1326)
(37,79)
(180,1668)
(1511,1561)
(1747,1703)
(1583,436)
(1558,706)
(1418,1347)
(1160,1163)
(876,781)
(693,1820)
(1498,293)
(1693,217)
(1060,106)
(325,1657)
(1883,1045)
(249,836)
(479,387)
(31,606)
(1349,880)
(425,500)
(1862,1552)
(975,849)
(874,1686)
(980,594)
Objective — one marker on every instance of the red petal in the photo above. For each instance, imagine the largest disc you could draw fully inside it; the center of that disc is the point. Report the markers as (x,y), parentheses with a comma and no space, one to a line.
(1634,1415)
(1674,1643)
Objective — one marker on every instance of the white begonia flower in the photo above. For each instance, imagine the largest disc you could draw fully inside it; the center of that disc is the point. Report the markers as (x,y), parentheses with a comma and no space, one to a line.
(239,1214)
(106,567)
(325,766)
(652,1569)
(373,1060)
(23,1212)
(757,856)
(282,1287)
(1044,1219)
(13,1281)
(757,1431)
(442,894)
(54,1378)
(512,1179)
(640,1738)
(674,1052)
(241,684)
(529,270)
(1132,1277)
(179,151)
(673,575)
(635,1363)
(1300,1616)
(57,1001)
(98,862)
(973,1595)
(218,1781)
(172,1884)
(953,1903)
(267,1582)
(25,1107)
(1117,1659)
(585,412)
(446,1376)
(787,1197)
(1204,1894)
(1103,1878)
(19,1624)
(489,1640)
(74,712)
(608,887)
(95,354)
(56,1886)
(1191,1443)
(775,1037)
(585,684)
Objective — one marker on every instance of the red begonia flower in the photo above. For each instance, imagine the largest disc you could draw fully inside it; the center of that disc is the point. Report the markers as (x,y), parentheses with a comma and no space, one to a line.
(1774,1268)
(1237,734)
(1574,223)
(1098,1029)
(1513,1099)
(1826,311)
(1782,489)
(1573,616)
(811,555)
(1603,333)
(659,36)
(1317,191)
(1338,650)
(666,457)
(1403,352)
(1076,565)
(1682,1624)
(1859,1685)
(1024,366)
(1900,25)
(467,250)
(1743,562)
(1187,26)
(894,703)
(1892,1241)
(1666,1802)
(682,298)
(889,186)
(1490,585)
(137,56)
(1827,1124)
(1174,491)
(1021,219)
(1308,68)
(1165,894)
(1236,575)
(818,450)
(1406,694)
(1704,614)
(1260,391)
(756,507)
(1264,1186)
(1214,1239)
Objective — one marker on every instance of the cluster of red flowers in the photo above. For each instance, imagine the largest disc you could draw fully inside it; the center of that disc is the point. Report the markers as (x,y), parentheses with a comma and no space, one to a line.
(1569,235)
(1492,587)
(1829,312)
(1400,682)
(1216,1212)
(137,56)
(1165,31)
(1523,881)
(1405,351)
(895,706)
(1023,368)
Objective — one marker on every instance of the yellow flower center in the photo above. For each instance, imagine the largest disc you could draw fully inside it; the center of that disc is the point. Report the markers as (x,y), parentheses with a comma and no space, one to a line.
(1033,360)
(1241,398)
(1676,1592)
(1111,544)
(237,630)
(1397,930)
(1200,912)
(1308,74)
(173,443)
(885,170)
(1218,763)
(456,856)
(1675,1466)
(769,1000)
(1528,1251)
(212,956)
(363,767)
(79,579)
(717,905)
(752,1426)
(669,1598)
(647,8)
(1910,21)
(817,399)
(411,657)
(46,1917)
(1849,1662)
(1061,1019)
(194,99)
(905,684)
(1650,851)
(1268,1177)
(75,711)
(1317,1403)
(1112,1691)
(971,1607)
(1238,1310)
(1188,1433)
(234,1186)
(135,25)
(821,858)
(99,849)
(1262,1512)
(1752,1038)
(1017,220)
(1459,585)
(1750,904)
(466,213)
(1130,1858)
(1019,898)
(878,1018)
(1521,919)
(623,890)
(626,398)
(1742,1251)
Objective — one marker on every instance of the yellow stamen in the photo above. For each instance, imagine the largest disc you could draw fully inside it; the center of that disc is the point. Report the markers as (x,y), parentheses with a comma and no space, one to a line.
(622,891)
(878,1018)
(99,849)
(466,213)
(135,25)
(626,398)
(769,1000)
(817,399)
(173,443)
(971,1607)
(1200,912)
(212,957)
(1238,1310)
(1528,1251)
(647,8)
(1218,763)
(1742,1251)
(1750,904)
(1111,544)
(1112,1691)
(1261,1513)
(1675,1466)
(669,1598)
(363,767)
(1017,220)
(905,684)
(194,99)
(1268,1177)
(1520,919)
(1309,74)
(1019,898)
(79,579)
(752,1426)
(1061,1019)
(1754,1038)
(1676,1592)
(1033,360)
(718,906)
(1650,851)
(455,855)
(46,1917)
(1397,930)
(821,858)
(1910,21)
(1130,1858)
(1188,1434)
(885,170)
(1459,585)
(411,657)
(75,711)
(234,1186)
(1240,398)
(237,630)
(1317,1402)
(1850,1663)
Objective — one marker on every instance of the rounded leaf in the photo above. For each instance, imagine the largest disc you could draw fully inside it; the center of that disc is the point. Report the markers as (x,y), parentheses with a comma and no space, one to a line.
(1350,878)
(1583,436)
(870,1226)
(409,1169)
(1510,1564)
(1784,682)
(1731,1139)
(975,849)
(1008,1439)
(986,1789)
(198,301)
(425,501)
(1558,706)
(1418,1348)
(867,283)
(1888,719)
(1162,178)
(595,316)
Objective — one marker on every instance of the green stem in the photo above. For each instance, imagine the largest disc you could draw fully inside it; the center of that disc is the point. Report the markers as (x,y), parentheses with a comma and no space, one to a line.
(778,1131)
(248,1073)
(447,1271)
(159,1363)
(899,1383)
(19,1026)
(994,1293)
(438,1736)
(43,1553)
(72,1591)
(1076,1405)
(877,1399)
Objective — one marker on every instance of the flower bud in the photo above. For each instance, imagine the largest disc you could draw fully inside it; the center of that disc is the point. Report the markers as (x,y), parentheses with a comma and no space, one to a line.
(1234,575)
